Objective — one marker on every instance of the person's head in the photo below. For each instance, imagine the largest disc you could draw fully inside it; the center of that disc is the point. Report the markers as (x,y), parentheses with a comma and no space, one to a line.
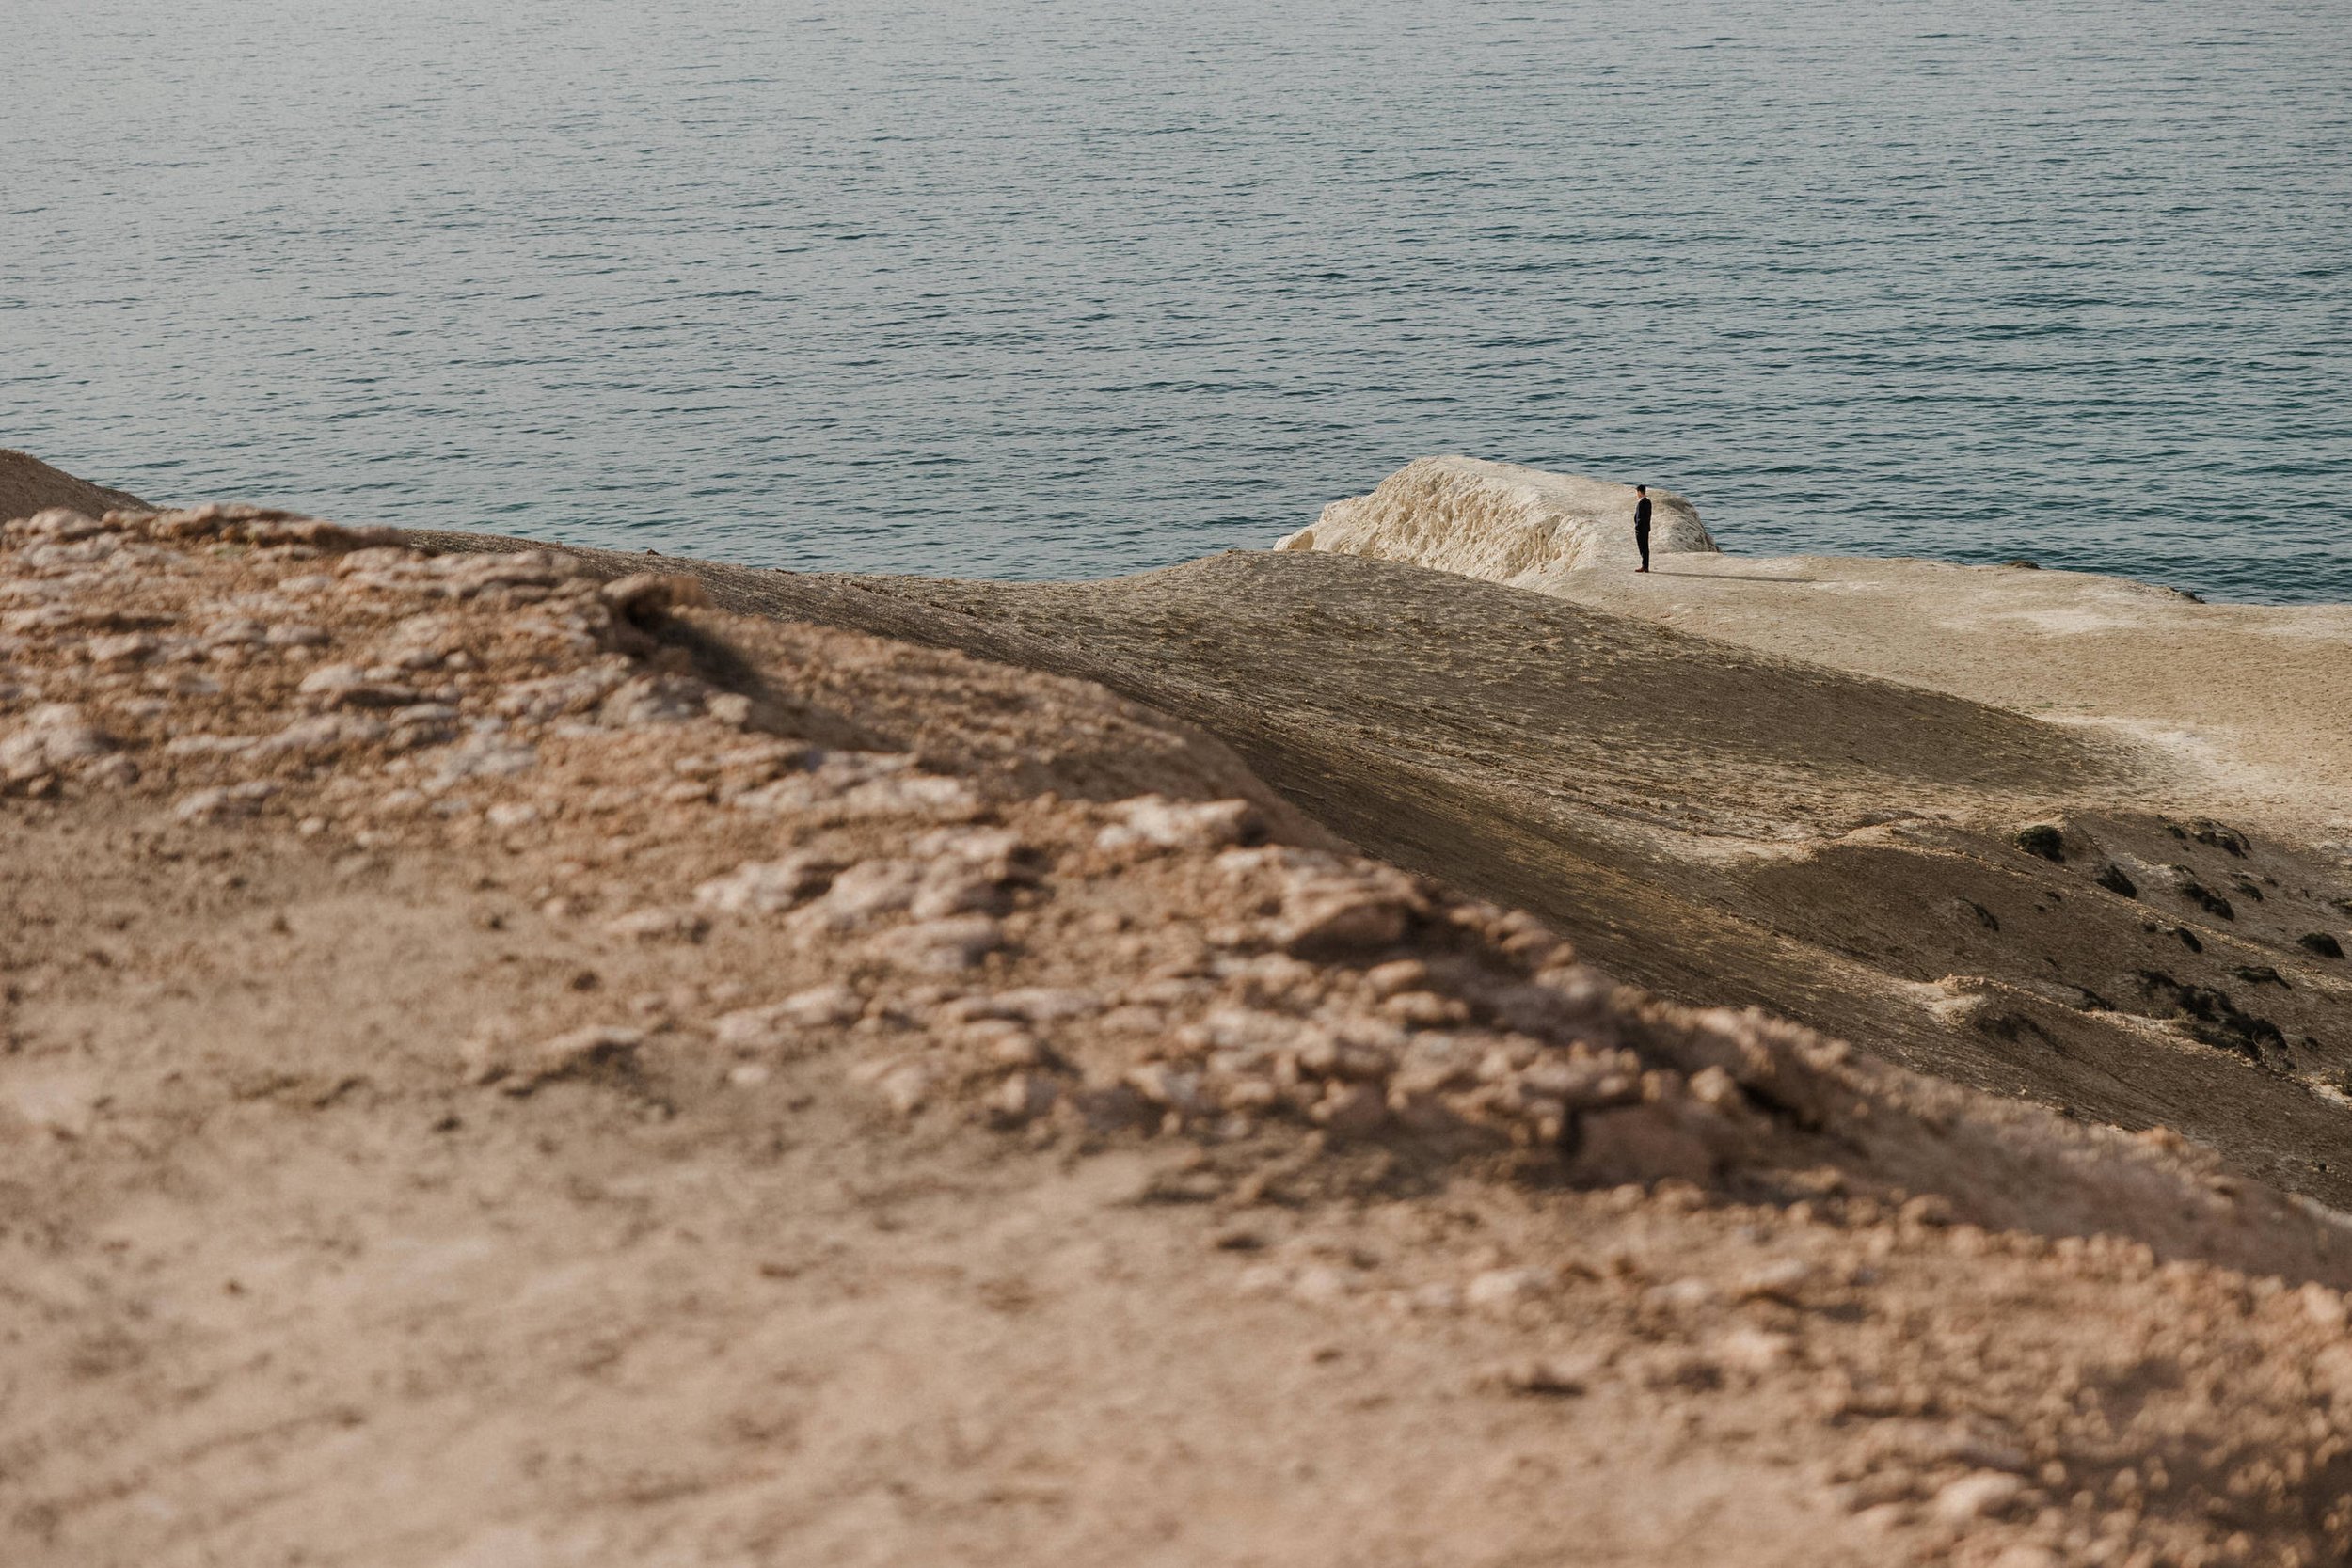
(1640,489)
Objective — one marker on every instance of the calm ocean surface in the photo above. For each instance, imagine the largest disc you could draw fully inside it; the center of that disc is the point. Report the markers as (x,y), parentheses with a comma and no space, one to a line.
(1067,287)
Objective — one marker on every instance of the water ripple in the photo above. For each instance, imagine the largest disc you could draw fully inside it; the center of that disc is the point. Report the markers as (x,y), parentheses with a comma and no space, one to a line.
(1069,290)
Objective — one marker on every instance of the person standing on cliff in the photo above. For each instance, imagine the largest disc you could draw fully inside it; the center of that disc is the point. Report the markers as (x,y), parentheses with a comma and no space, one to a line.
(1641,525)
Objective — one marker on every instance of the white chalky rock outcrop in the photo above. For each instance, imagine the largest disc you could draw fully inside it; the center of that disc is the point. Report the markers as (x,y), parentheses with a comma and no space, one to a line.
(1501,522)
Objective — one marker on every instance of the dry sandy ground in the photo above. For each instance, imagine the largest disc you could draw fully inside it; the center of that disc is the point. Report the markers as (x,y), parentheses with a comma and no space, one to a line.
(502,1069)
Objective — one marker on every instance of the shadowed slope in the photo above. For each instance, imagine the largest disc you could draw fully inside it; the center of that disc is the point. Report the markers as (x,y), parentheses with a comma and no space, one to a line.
(28,485)
(1721,825)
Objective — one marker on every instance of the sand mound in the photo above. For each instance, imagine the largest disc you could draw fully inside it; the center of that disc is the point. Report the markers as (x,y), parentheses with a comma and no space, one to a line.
(27,485)
(1500,521)
(508,1067)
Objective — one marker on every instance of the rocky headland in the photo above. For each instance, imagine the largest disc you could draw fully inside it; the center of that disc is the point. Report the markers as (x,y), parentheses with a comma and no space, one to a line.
(510,1057)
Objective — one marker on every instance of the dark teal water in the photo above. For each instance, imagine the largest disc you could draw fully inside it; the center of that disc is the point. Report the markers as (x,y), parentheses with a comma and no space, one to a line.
(1073,288)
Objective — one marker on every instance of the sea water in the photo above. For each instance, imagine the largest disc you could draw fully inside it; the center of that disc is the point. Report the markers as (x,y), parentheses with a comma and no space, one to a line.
(1075,288)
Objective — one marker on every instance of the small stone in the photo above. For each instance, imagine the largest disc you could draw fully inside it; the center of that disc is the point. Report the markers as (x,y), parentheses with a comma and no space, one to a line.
(1714,1087)
(1436,1297)
(130,648)
(1396,977)
(1978,1495)
(1501,1290)
(1333,919)
(1754,1349)
(822,1006)
(1546,1376)
(748,1075)
(643,595)
(905,1087)
(779,1025)
(1425,1009)
(945,891)
(1154,821)
(1783,1281)
(597,1045)
(1931,1210)
(509,815)
(1005,1043)
(1883,1519)
(1023,1098)
(112,773)
(349,686)
(1352,1110)
(871,889)
(483,756)
(1321,1282)
(2323,1306)
(2044,840)
(938,946)
(2026,1555)
(649,700)
(1262,1279)
(1163,1084)
(1681,1295)
(52,737)
(766,886)
(224,804)
(671,924)
(1028,1004)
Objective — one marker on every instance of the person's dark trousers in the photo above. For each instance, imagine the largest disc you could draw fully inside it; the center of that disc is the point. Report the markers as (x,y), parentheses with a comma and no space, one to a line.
(1641,539)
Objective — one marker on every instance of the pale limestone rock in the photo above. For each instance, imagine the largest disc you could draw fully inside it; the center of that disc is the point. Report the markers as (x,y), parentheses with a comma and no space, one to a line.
(647,593)
(1977,1496)
(1023,1098)
(227,803)
(766,886)
(1500,1290)
(782,1024)
(1158,822)
(54,737)
(938,946)
(1782,1280)
(1755,1351)
(1501,522)
(658,925)
(598,1044)
(2323,1306)
(905,1087)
